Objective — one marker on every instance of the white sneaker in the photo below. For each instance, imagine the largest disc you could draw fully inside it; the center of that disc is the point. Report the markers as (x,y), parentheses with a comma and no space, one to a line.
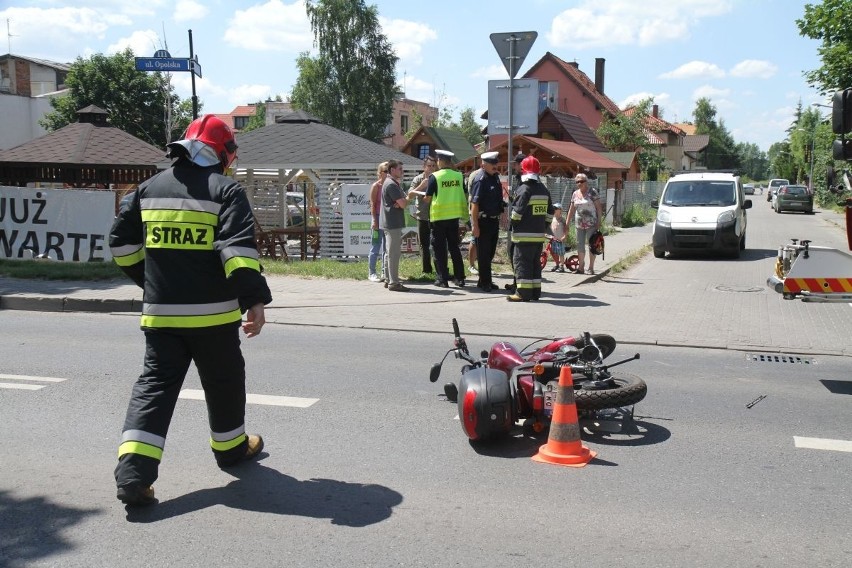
(473,270)
(374,278)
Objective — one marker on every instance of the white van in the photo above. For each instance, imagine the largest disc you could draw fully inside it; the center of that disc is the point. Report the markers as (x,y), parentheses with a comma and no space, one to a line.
(700,211)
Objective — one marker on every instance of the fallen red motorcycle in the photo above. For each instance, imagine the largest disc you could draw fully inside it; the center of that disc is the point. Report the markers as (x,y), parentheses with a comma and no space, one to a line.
(505,384)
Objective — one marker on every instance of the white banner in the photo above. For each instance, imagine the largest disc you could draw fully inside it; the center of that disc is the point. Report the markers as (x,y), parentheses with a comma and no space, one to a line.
(63,224)
(357,236)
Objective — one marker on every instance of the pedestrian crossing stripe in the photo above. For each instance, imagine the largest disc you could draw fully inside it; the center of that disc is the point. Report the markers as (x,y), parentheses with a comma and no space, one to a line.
(823,444)
(25,385)
(267,399)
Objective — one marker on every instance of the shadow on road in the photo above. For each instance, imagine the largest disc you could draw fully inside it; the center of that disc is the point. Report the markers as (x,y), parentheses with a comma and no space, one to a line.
(30,529)
(264,490)
(525,443)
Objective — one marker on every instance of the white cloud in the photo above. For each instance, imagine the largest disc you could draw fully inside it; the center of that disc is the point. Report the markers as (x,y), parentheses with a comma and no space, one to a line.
(273,26)
(595,24)
(695,70)
(186,10)
(143,43)
(492,72)
(407,38)
(709,92)
(636,98)
(52,33)
(754,69)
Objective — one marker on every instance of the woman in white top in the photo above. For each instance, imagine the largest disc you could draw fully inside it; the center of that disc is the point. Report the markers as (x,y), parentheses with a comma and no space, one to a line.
(586,211)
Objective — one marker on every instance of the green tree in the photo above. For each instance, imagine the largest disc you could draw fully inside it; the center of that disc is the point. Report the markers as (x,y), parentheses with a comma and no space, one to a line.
(139,103)
(754,162)
(351,83)
(721,149)
(626,132)
(258,119)
(830,22)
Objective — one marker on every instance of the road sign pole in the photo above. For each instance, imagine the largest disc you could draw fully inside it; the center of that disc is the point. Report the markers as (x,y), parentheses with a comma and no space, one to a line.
(192,74)
(512,72)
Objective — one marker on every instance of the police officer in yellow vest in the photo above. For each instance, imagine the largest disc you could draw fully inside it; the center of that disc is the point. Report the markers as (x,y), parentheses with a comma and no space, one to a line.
(186,236)
(447,208)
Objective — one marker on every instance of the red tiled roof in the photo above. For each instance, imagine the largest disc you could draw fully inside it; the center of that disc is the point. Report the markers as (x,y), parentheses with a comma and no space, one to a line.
(577,153)
(657,124)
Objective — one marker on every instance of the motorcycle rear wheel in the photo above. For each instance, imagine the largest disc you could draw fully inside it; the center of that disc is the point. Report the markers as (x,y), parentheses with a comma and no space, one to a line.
(626,390)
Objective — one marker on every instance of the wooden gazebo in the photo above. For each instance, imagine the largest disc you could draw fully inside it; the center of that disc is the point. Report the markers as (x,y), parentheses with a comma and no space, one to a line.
(88,153)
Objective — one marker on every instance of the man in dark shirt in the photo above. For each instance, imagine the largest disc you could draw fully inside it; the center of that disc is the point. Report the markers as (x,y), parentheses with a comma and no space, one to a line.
(486,206)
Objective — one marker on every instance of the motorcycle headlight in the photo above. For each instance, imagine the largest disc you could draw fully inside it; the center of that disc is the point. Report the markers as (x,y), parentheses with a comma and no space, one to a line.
(726,217)
(664,217)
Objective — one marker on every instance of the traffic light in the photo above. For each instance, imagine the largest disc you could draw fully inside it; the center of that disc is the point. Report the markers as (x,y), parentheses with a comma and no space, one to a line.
(841,112)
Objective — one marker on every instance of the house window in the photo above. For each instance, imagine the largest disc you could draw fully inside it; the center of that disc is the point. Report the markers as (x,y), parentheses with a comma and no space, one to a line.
(423,151)
(240,122)
(548,95)
(403,124)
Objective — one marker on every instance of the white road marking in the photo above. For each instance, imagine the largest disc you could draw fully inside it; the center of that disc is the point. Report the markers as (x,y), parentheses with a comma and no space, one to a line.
(268,399)
(823,444)
(20,386)
(29,378)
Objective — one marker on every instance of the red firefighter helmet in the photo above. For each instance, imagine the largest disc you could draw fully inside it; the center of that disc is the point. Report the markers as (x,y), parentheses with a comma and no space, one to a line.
(530,165)
(208,141)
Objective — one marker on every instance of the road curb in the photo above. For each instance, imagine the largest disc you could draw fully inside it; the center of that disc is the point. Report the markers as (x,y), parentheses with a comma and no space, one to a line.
(59,304)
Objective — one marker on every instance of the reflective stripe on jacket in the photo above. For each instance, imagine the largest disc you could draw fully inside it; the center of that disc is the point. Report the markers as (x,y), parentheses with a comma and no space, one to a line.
(186,236)
(532,211)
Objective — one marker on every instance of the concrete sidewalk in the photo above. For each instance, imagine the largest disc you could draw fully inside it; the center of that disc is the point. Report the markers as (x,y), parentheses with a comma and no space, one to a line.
(735,311)
(295,293)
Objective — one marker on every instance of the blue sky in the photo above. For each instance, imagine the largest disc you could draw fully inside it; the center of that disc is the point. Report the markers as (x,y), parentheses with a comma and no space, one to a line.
(746,56)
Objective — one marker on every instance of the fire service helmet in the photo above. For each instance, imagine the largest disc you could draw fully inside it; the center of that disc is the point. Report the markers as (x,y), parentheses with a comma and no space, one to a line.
(596,243)
(530,165)
(208,141)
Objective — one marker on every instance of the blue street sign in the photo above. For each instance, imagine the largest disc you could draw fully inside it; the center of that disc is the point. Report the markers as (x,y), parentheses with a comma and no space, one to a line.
(162,64)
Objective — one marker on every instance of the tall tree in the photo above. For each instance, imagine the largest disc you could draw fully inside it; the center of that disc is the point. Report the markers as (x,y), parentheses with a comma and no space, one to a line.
(830,22)
(140,103)
(468,126)
(626,132)
(351,84)
(721,150)
(753,160)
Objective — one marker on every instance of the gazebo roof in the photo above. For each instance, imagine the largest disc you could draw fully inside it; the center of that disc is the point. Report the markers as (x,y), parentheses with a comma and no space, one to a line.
(85,153)
(300,140)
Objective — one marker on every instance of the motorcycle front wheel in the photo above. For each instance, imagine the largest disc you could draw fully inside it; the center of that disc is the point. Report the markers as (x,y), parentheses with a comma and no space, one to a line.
(620,390)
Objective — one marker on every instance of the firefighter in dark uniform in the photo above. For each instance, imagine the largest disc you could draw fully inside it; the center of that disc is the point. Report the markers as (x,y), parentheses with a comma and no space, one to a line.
(186,236)
(486,206)
(447,210)
(532,211)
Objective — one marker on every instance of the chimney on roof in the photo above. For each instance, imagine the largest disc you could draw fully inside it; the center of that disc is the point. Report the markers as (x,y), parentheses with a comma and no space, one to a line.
(655,110)
(599,74)
(574,64)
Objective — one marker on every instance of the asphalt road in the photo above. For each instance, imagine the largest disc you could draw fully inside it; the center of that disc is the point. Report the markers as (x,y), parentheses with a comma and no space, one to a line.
(377,472)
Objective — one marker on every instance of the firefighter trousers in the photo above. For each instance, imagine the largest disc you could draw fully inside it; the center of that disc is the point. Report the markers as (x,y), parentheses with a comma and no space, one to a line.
(527,266)
(221,368)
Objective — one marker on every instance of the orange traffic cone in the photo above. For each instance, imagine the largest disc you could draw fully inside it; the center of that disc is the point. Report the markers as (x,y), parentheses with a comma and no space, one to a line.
(563,445)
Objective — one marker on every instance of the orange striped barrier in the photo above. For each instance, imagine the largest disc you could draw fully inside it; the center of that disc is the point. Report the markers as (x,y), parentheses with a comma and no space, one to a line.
(820,285)
(563,445)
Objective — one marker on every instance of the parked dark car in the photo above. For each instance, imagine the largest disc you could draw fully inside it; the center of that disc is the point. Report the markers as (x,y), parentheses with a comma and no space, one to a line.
(793,198)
